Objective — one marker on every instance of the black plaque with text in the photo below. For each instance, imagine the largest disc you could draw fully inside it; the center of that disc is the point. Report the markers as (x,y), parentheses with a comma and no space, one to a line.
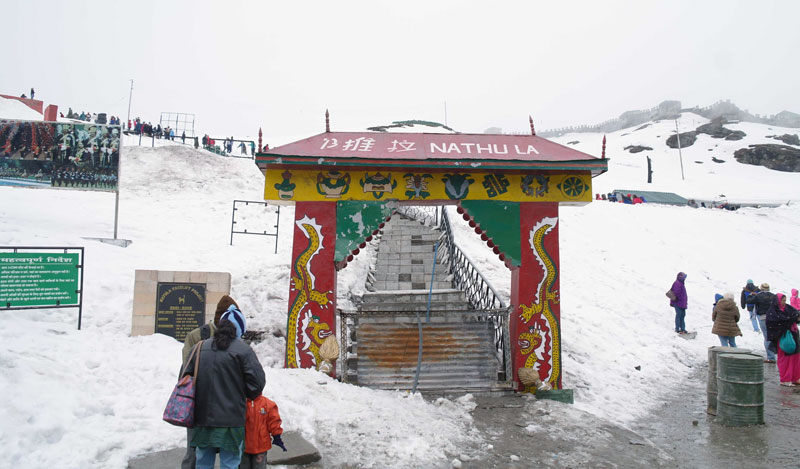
(180,308)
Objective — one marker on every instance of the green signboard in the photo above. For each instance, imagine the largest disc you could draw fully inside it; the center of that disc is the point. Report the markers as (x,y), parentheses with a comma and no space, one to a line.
(38,279)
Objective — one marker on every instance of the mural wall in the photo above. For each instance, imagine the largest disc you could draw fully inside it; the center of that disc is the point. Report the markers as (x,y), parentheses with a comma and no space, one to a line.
(64,155)
(535,321)
(425,186)
(312,293)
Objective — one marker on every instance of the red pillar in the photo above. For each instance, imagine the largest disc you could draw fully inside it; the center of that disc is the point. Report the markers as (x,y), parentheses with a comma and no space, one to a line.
(51,113)
(312,293)
(535,320)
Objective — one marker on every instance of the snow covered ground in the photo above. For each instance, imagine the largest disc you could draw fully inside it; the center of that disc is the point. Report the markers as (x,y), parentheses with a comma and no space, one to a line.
(13,109)
(94,398)
(704,179)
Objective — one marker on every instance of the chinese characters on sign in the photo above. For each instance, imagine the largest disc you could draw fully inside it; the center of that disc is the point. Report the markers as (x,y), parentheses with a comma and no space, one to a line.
(460,148)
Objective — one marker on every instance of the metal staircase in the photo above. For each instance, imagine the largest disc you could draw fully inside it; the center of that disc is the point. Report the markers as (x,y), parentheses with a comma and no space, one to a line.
(464,323)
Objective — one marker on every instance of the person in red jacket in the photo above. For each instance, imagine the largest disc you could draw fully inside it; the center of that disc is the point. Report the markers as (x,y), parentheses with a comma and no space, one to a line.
(262,428)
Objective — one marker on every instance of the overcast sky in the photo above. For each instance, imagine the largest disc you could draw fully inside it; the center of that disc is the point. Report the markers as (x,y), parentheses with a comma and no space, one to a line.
(241,65)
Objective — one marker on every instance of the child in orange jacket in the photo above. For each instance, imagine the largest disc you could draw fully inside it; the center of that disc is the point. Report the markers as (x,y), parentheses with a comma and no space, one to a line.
(262,428)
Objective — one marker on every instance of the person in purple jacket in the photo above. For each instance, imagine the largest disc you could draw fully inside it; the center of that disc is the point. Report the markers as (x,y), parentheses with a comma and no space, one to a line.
(679,303)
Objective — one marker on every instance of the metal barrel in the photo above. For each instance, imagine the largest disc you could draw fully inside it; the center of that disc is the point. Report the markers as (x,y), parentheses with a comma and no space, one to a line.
(740,382)
(711,386)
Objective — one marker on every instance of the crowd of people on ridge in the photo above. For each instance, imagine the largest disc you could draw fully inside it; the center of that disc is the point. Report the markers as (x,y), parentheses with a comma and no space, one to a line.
(146,128)
(91,117)
(776,316)
(622,198)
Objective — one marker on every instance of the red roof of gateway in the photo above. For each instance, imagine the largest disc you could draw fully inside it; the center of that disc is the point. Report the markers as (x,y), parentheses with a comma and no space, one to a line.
(432,150)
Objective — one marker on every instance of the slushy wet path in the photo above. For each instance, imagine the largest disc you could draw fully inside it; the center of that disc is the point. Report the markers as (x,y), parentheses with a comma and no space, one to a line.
(682,428)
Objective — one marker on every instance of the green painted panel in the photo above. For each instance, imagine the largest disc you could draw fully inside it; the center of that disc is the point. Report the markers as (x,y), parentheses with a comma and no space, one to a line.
(355,220)
(500,221)
(38,279)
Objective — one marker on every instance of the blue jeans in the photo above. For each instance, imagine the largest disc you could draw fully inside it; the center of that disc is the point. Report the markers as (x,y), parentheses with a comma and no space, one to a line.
(727,341)
(762,322)
(680,314)
(753,319)
(227,459)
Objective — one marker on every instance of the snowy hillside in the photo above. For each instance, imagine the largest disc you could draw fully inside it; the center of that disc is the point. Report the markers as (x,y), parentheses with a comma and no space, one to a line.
(13,109)
(704,178)
(93,398)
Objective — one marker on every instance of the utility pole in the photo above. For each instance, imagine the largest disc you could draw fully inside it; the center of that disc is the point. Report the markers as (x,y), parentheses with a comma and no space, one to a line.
(680,155)
(130,96)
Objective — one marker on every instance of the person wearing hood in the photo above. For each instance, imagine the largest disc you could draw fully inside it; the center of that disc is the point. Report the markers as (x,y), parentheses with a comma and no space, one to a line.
(725,318)
(203,332)
(678,289)
(764,302)
(749,289)
(781,319)
(794,301)
(228,374)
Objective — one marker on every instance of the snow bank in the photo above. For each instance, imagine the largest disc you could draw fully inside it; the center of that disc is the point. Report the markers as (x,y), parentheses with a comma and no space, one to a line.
(704,178)
(93,398)
(13,109)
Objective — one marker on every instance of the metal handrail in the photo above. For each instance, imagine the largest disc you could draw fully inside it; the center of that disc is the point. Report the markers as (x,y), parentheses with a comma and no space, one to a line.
(480,293)
(428,216)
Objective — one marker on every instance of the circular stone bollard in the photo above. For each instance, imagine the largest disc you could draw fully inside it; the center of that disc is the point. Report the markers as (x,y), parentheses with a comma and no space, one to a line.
(711,386)
(740,383)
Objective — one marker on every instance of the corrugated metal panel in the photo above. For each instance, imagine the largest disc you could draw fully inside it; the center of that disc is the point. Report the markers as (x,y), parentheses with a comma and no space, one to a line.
(456,355)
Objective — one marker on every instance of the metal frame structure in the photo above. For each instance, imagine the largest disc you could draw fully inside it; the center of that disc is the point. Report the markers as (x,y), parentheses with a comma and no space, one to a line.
(264,233)
(178,118)
(79,291)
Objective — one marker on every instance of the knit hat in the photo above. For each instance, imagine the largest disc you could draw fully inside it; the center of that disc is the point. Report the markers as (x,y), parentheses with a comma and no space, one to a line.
(765,286)
(728,295)
(237,318)
(717,297)
(224,303)
(750,281)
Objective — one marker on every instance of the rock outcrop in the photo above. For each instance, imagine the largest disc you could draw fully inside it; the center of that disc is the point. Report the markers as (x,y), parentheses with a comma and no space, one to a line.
(687,140)
(787,139)
(716,129)
(637,148)
(777,157)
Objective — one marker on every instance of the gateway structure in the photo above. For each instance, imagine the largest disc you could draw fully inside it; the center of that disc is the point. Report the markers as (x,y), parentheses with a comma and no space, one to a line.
(345,184)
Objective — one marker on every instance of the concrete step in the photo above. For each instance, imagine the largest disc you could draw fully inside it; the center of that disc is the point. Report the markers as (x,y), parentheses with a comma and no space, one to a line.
(411,276)
(417,307)
(414,296)
(401,286)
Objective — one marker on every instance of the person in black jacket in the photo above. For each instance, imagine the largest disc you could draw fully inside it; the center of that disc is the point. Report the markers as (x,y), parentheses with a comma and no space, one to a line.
(228,374)
(749,289)
(764,301)
(203,332)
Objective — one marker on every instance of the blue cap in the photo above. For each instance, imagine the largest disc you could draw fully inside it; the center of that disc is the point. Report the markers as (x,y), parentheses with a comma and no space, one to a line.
(237,318)
(717,297)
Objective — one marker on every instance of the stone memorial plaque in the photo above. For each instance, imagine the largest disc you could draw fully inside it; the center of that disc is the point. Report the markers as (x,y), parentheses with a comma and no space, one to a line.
(180,308)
